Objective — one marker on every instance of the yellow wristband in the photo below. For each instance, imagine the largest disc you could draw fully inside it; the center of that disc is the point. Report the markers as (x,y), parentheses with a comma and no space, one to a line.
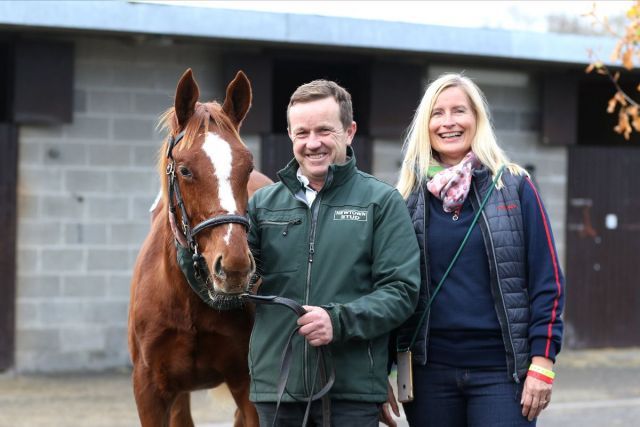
(543,371)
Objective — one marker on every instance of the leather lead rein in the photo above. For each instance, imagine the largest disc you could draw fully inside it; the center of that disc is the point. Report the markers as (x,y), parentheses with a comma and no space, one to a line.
(285,365)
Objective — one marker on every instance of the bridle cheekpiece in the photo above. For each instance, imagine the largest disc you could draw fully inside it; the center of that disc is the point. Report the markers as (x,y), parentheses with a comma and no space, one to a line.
(186,236)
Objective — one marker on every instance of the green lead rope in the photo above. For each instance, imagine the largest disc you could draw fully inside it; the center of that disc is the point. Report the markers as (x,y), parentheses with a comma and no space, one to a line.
(453,261)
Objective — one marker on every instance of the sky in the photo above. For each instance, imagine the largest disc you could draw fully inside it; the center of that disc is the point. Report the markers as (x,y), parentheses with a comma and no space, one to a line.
(509,15)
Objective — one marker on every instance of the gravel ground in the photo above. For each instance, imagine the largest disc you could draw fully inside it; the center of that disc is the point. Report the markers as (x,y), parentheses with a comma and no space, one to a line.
(594,388)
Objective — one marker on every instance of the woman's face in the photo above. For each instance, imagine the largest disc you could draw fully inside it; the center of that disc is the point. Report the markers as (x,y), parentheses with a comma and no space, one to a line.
(452,125)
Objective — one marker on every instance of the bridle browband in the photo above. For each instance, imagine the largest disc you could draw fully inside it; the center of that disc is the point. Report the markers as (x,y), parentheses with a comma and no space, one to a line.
(187,236)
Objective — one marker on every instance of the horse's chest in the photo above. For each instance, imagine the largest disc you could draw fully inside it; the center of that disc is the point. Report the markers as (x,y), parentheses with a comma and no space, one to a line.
(230,324)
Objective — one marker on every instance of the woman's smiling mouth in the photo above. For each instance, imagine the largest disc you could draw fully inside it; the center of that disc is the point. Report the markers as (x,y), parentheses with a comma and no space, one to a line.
(450,135)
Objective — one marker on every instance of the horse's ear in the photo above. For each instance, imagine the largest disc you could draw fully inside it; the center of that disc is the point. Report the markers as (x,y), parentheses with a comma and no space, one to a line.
(187,94)
(238,99)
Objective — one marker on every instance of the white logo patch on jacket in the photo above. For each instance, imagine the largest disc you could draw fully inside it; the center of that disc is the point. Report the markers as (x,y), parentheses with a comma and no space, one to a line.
(349,215)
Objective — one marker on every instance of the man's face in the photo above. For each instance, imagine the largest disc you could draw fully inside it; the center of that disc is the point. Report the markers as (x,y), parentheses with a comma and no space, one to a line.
(318,138)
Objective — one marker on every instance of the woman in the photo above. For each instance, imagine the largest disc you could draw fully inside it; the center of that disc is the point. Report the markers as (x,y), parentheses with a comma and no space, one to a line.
(484,351)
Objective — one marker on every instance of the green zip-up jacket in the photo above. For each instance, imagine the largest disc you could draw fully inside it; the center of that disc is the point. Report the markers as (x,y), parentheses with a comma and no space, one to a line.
(354,253)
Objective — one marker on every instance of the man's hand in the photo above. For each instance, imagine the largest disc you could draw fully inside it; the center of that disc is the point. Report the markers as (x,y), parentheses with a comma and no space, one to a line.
(385,416)
(316,326)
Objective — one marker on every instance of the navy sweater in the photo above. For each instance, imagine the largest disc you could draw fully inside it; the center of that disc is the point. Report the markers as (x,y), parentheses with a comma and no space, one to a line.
(464,328)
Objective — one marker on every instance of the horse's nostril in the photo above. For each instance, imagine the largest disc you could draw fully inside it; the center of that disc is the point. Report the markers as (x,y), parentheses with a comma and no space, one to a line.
(218,266)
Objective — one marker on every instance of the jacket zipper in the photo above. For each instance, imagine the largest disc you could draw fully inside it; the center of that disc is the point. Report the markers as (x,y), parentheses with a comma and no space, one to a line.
(504,306)
(426,266)
(313,212)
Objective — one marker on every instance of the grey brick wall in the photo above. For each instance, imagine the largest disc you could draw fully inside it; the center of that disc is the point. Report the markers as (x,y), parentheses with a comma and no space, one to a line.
(84,192)
(85,189)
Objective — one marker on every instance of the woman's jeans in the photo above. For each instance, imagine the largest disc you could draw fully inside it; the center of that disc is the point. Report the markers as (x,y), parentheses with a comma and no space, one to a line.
(445,396)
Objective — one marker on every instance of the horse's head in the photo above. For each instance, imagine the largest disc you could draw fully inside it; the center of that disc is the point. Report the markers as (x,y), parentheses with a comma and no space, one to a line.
(210,167)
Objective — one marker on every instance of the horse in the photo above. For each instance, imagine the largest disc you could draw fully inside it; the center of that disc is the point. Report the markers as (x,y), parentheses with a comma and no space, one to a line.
(180,340)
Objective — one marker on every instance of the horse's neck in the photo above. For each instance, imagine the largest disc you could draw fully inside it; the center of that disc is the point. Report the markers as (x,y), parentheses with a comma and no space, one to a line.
(257,180)
(160,220)
(157,208)
(164,238)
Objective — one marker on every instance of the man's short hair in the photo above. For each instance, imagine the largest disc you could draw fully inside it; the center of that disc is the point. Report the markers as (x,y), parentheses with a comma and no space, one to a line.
(320,89)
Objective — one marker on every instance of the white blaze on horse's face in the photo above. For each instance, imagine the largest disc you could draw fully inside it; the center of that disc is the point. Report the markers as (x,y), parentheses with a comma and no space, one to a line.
(219,152)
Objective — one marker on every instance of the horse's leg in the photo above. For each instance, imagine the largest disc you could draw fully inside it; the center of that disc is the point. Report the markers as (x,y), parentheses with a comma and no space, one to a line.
(246,414)
(153,406)
(181,411)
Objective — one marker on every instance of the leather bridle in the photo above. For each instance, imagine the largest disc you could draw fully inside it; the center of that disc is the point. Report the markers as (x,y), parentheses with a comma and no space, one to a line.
(187,236)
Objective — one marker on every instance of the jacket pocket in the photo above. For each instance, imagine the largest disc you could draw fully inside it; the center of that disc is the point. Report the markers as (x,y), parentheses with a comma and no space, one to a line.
(282,240)
(356,368)
(284,224)
(371,360)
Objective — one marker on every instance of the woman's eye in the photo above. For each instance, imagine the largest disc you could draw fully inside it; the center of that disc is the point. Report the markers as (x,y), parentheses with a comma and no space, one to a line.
(184,171)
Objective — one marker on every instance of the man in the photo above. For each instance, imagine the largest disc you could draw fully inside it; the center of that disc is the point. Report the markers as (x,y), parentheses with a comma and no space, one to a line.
(340,242)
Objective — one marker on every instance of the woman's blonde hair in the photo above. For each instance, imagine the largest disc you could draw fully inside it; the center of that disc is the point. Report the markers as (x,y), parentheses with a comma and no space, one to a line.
(418,152)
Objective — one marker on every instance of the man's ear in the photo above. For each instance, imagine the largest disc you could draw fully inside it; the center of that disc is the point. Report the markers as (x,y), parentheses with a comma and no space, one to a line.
(351,132)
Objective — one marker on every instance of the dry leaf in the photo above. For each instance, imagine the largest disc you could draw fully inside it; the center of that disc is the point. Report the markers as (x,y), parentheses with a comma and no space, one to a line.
(627,59)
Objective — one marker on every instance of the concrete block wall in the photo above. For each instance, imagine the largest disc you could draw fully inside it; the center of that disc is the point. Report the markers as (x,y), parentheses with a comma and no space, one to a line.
(83,198)
(514,102)
(515,107)
(85,189)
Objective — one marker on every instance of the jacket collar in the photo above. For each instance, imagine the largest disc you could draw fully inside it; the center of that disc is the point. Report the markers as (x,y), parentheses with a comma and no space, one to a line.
(483,178)
(336,174)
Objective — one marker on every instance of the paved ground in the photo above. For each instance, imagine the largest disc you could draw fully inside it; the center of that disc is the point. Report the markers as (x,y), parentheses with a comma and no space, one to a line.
(598,388)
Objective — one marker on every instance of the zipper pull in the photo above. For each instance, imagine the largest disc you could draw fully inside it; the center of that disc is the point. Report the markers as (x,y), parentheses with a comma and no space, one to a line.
(291,222)
(311,251)
(456,214)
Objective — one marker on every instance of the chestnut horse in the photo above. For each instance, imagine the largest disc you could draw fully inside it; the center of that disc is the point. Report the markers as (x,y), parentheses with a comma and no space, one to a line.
(180,340)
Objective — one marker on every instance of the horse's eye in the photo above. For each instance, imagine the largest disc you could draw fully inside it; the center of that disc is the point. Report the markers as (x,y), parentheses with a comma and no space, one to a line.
(184,171)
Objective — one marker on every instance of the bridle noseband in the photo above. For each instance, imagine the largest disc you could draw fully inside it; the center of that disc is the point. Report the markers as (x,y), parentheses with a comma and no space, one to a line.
(188,233)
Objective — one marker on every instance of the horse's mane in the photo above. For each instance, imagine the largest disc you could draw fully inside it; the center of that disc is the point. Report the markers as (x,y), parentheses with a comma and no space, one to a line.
(199,122)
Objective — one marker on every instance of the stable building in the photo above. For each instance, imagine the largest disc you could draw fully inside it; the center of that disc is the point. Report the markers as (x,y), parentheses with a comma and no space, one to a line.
(82,85)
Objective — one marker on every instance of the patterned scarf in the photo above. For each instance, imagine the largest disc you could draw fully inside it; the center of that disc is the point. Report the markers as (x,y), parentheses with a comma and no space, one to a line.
(451,185)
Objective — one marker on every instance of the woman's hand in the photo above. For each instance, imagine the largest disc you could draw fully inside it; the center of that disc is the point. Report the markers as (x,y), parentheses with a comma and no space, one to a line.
(385,416)
(536,394)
